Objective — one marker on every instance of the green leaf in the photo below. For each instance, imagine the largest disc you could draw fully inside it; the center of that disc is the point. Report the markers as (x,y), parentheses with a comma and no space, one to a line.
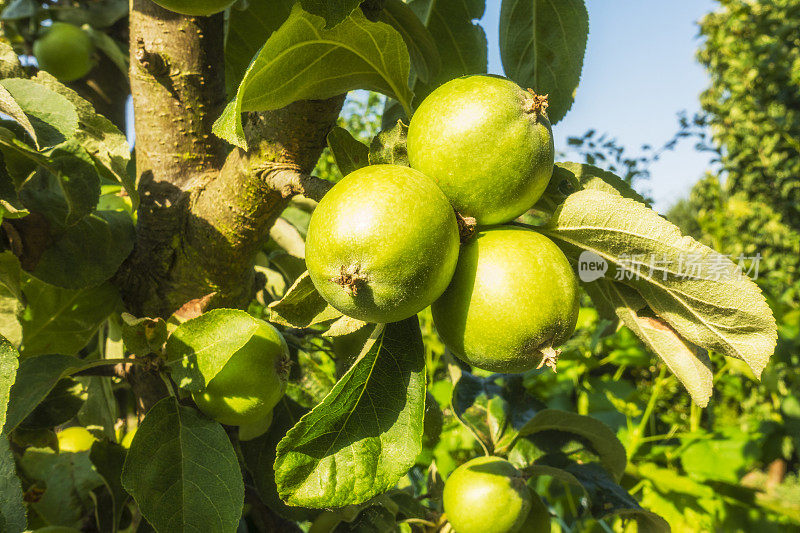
(10,328)
(77,178)
(54,118)
(97,14)
(143,336)
(425,60)
(542,44)
(711,305)
(538,517)
(10,107)
(389,146)
(288,237)
(302,306)
(594,433)
(100,407)
(317,377)
(10,205)
(348,152)
(59,407)
(302,60)
(19,9)
(608,498)
(12,508)
(494,408)
(10,274)
(333,11)
(183,473)
(217,334)
(108,459)
(36,377)
(725,458)
(666,480)
(556,473)
(371,519)
(105,143)
(111,48)
(58,320)
(248,30)
(689,364)
(367,433)
(68,479)
(571,177)
(67,176)
(259,459)
(344,326)
(461,42)
(9,62)
(9,363)
(88,252)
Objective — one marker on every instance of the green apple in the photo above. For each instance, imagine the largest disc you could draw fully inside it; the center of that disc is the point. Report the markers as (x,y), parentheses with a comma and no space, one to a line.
(382,244)
(251,382)
(486,495)
(75,439)
(488,145)
(195,7)
(512,301)
(65,51)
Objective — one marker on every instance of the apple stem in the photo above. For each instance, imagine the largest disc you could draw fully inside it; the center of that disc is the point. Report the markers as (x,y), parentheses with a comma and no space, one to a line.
(549,358)
(466,227)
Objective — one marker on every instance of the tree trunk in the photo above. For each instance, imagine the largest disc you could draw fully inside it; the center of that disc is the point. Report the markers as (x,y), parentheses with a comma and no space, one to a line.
(205,210)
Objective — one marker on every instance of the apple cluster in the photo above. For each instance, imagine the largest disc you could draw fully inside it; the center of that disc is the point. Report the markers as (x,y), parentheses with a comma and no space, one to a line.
(388,241)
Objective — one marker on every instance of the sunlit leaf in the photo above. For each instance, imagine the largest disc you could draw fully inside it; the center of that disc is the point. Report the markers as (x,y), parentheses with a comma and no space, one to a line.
(366,433)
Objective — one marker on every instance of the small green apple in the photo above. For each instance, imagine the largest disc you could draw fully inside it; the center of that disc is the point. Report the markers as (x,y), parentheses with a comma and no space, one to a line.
(65,51)
(486,495)
(382,244)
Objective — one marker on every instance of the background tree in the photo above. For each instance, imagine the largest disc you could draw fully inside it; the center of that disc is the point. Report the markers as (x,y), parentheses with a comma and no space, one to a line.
(751,54)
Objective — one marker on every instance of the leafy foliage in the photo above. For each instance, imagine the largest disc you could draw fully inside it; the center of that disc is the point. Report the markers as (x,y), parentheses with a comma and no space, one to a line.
(59,320)
(373,51)
(12,510)
(753,65)
(542,46)
(9,365)
(686,304)
(35,379)
(460,41)
(376,414)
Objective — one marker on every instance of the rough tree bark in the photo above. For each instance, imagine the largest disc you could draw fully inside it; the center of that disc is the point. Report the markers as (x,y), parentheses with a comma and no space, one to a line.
(205,209)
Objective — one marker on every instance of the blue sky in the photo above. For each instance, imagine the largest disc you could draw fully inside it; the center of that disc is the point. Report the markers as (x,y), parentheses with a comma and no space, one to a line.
(638,73)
